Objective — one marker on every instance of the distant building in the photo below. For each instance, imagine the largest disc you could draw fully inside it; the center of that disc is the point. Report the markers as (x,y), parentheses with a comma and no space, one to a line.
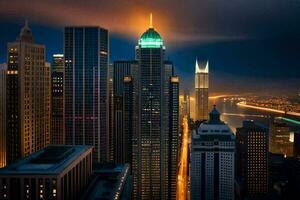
(281,139)
(28,97)
(201,90)
(213,160)
(86,52)
(111,181)
(54,172)
(57,100)
(3,71)
(252,158)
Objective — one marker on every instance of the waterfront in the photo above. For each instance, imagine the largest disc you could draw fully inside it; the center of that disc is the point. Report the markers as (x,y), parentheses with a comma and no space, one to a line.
(234,115)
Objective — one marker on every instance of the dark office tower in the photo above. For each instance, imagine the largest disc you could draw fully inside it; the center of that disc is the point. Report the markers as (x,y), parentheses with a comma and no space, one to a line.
(201,90)
(150,142)
(111,112)
(121,69)
(252,158)
(128,119)
(57,100)
(3,71)
(86,95)
(28,97)
(173,142)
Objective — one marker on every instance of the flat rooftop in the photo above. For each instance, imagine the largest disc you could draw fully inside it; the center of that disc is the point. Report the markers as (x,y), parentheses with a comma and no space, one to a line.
(109,181)
(52,159)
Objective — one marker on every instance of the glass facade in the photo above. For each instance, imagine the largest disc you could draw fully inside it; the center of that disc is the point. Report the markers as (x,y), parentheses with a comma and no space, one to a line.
(86,95)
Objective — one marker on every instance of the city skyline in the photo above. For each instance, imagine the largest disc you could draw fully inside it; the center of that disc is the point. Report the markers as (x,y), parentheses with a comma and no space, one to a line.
(253,47)
(198,100)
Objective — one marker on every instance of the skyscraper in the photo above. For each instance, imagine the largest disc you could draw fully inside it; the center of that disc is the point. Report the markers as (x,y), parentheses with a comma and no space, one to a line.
(201,90)
(252,158)
(3,71)
(86,52)
(173,137)
(213,160)
(28,97)
(122,135)
(151,166)
(57,100)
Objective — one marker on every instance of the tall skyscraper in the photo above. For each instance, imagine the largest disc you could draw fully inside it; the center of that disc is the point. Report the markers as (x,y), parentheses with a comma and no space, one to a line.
(111,113)
(173,137)
(3,71)
(252,158)
(28,97)
(86,91)
(151,166)
(213,160)
(57,100)
(201,90)
(122,135)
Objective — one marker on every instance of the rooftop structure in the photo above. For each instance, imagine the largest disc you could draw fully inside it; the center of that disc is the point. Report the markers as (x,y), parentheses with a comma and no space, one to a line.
(110,181)
(50,160)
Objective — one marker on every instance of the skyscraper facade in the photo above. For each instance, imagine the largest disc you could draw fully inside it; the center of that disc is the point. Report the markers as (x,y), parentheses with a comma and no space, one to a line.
(252,158)
(201,90)
(213,160)
(3,71)
(28,97)
(122,135)
(57,100)
(151,166)
(86,114)
(173,137)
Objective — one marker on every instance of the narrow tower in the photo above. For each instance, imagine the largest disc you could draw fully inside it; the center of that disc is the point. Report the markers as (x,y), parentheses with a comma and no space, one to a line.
(201,90)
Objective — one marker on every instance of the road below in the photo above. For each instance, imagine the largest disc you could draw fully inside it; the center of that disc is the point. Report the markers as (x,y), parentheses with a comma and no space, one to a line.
(182,178)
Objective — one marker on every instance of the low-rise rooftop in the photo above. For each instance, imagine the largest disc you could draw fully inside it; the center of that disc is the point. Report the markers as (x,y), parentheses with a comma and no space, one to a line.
(49,160)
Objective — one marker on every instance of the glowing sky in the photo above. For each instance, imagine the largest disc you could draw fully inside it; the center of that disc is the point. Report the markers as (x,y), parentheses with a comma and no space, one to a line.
(247,42)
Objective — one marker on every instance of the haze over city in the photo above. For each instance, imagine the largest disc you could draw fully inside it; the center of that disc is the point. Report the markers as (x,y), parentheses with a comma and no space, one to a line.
(252,46)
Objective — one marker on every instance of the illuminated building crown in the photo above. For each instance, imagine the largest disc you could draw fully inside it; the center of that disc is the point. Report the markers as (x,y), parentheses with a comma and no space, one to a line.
(151,38)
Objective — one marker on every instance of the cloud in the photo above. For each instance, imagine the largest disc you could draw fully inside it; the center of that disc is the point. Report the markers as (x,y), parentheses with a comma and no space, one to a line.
(180,21)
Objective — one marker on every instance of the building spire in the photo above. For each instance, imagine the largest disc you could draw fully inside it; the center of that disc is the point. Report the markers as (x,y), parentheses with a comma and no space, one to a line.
(150,22)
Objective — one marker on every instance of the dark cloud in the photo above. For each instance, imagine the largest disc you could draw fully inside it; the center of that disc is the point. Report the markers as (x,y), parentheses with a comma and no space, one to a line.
(182,20)
(252,45)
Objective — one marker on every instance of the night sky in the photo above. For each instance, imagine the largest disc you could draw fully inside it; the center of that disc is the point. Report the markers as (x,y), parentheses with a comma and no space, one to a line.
(252,46)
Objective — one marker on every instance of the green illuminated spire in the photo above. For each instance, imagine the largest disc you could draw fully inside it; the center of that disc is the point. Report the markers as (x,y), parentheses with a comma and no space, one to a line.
(150,38)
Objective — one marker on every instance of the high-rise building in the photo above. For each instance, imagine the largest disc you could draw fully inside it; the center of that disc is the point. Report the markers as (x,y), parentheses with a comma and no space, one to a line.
(213,160)
(28,97)
(173,137)
(3,71)
(201,91)
(252,158)
(86,51)
(57,100)
(281,138)
(55,172)
(151,166)
(111,113)
(122,135)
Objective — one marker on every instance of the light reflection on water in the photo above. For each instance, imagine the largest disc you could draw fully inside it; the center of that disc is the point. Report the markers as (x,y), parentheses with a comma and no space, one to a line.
(234,115)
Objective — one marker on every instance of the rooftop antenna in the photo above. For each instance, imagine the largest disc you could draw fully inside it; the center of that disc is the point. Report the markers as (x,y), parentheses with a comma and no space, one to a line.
(150,25)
